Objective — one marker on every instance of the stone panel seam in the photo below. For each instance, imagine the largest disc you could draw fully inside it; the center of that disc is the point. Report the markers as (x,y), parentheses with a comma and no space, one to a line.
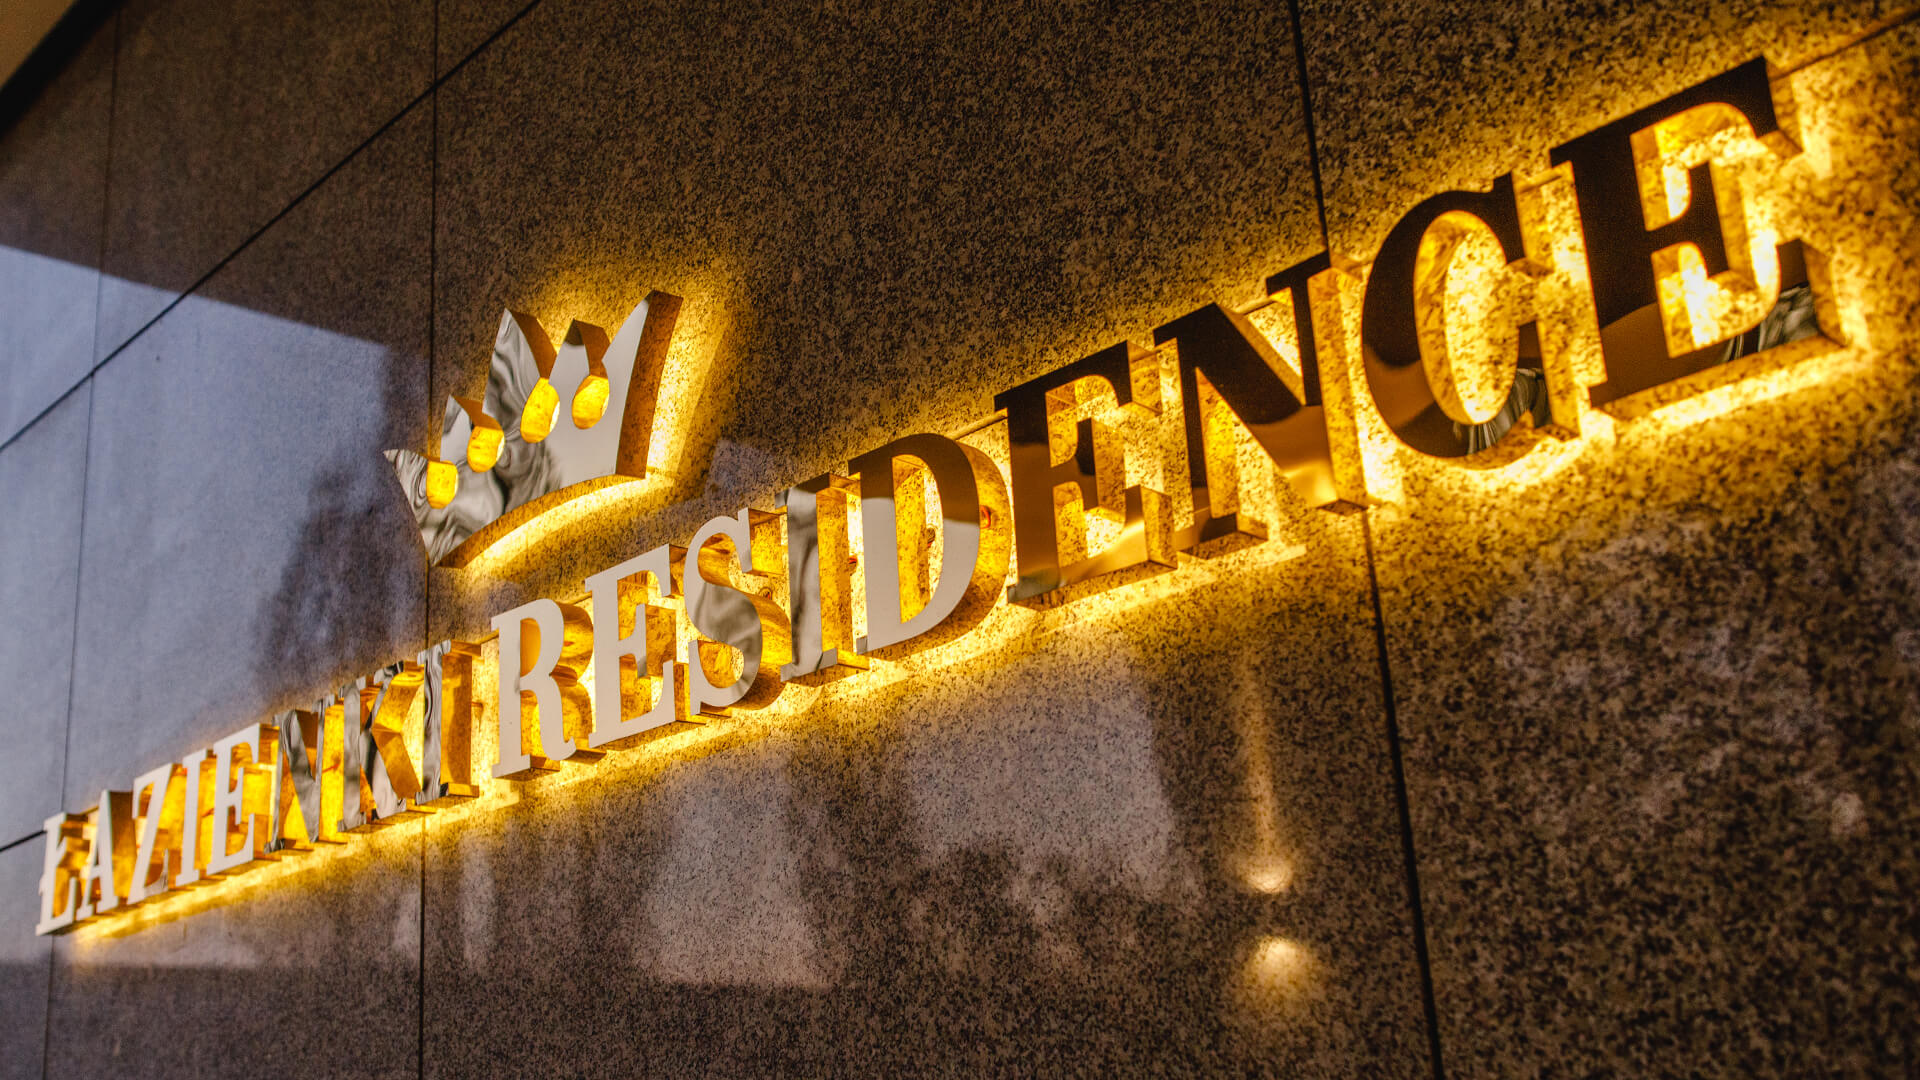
(1429,1006)
(202,280)
(73,653)
(86,468)
(1886,25)
(426,591)
(106,201)
(1306,115)
(1402,804)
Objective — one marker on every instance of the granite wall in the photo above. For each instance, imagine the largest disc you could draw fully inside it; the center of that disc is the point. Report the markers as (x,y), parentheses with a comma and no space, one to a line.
(1599,764)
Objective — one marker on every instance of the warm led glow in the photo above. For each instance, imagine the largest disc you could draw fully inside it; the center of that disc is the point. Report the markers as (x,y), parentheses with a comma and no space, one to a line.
(1266,873)
(1278,976)
(1821,364)
(1698,310)
(1262,864)
(536,423)
(683,381)
(590,401)
(443,481)
(1468,327)
(517,539)
(317,864)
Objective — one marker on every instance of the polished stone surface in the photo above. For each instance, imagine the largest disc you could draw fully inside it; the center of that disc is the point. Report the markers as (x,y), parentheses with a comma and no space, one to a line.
(53,184)
(1411,99)
(1020,864)
(1050,850)
(1656,687)
(24,961)
(226,111)
(42,481)
(307,971)
(249,550)
(885,216)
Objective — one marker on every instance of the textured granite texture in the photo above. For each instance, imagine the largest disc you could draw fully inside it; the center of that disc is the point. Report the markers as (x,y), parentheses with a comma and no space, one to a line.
(248,549)
(1658,700)
(895,215)
(226,110)
(1411,99)
(464,25)
(1038,860)
(1029,862)
(53,191)
(42,482)
(23,967)
(313,973)
(1654,690)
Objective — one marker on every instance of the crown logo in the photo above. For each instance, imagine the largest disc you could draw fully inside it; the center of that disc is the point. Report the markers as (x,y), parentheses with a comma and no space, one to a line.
(556,424)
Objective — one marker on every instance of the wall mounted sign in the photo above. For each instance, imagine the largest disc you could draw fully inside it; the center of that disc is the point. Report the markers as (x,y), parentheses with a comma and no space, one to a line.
(1457,343)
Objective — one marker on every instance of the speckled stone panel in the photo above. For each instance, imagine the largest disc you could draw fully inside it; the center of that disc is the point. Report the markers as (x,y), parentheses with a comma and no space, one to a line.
(53,190)
(1411,99)
(309,973)
(1658,696)
(1035,858)
(226,110)
(42,481)
(465,25)
(249,549)
(24,961)
(1156,839)
(888,215)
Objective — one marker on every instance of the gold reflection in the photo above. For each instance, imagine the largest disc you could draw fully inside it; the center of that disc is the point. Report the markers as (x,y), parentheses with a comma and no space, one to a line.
(1261,864)
(1698,310)
(1277,978)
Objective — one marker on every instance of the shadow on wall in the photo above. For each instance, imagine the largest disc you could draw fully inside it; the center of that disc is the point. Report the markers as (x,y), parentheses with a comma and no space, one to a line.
(346,569)
(988,871)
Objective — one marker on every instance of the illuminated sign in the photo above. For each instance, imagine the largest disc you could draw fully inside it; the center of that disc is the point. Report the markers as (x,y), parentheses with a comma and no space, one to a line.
(1663,257)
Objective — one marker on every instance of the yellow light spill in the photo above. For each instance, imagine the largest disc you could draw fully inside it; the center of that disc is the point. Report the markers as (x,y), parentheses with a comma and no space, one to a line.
(1266,873)
(316,865)
(683,379)
(524,540)
(1278,976)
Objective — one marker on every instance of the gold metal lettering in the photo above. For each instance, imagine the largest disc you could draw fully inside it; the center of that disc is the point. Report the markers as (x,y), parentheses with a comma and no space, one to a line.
(820,581)
(1053,493)
(158,806)
(974,539)
(63,873)
(746,635)
(639,689)
(245,775)
(544,712)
